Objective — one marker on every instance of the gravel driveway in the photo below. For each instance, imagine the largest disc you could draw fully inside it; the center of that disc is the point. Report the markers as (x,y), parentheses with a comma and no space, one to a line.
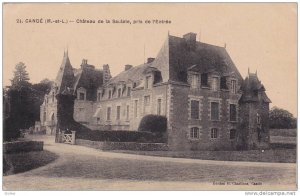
(82,168)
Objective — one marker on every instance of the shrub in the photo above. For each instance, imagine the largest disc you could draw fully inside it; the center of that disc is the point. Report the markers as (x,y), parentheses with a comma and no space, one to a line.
(119,136)
(153,123)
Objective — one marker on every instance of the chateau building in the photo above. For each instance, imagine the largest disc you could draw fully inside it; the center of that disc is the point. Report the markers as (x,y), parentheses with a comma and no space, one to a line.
(195,85)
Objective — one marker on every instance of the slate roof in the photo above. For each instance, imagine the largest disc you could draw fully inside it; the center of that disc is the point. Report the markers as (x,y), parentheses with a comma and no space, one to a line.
(70,78)
(251,88)
(134,74)
(65,75)
(200,57)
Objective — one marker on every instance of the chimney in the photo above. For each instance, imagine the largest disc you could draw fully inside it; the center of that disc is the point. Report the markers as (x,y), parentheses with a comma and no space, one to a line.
(190,39)
(127,67)
(84,62)
(150,60)
(106,73)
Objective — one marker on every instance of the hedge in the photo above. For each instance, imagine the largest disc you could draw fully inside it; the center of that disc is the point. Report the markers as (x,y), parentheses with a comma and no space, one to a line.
(153,123)
(120,136)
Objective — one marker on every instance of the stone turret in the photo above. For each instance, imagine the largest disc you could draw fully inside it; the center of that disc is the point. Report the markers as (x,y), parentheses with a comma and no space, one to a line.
(254,106)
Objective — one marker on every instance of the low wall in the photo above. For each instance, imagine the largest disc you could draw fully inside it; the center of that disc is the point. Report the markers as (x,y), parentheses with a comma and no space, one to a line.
(22,146)
(122,145)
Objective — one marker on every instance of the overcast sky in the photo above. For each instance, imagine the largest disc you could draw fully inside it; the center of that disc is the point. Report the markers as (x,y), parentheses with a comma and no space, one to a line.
(261,37)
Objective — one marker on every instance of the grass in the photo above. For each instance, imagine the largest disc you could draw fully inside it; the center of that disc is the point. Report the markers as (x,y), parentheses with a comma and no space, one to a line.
(273,155)
(14,163)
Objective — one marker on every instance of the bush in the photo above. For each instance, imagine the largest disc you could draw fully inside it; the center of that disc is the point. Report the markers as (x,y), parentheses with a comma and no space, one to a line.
(119,136)
(153,123)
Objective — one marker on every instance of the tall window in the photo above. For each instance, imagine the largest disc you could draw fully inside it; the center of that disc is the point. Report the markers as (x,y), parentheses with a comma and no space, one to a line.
(127,112)
(99,96)
(233,86)
(214,133)
(52,96)
(118,112)
(128,91)
(147,83)
(232,134)
(119,92)
(214,84)
(109,94)
(258,119)
(195,81)
(232,108)
(194,109)
(147,104)
(204,79)
(214,110)
(159,106)
(136,108)
(194,133)
(44,117)
(108,113)
(81,96)
(223,83)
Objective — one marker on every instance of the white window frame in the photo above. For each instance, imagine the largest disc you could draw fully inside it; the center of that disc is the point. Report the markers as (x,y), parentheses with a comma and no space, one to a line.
(190,127)
(211,132)
(233,88)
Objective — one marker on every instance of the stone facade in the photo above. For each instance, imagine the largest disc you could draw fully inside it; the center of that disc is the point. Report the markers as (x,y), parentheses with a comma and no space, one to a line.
(209,106)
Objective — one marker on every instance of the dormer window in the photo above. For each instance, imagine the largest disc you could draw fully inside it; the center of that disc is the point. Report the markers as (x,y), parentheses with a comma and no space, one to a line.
(204,79)
(81,94)
(148,82)
(233,86)
(119,92)
(53,96)
(128,91)
(214,84)
(99,96)
(109,94)
(195,80)
(223,83)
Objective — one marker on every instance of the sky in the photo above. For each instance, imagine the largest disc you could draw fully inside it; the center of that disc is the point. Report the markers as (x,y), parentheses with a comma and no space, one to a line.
(258,36)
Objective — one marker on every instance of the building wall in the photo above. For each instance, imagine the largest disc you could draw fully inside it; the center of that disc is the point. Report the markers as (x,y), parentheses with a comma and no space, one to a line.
(83,111)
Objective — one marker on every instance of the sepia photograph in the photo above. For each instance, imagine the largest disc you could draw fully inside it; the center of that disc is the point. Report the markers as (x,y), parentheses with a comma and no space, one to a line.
(150,96)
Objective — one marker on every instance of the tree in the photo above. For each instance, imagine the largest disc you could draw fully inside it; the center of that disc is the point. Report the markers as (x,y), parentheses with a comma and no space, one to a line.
(21,76)
(282,119)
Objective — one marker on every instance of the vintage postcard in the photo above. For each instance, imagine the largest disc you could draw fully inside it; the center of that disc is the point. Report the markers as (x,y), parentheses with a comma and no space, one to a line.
(150,96)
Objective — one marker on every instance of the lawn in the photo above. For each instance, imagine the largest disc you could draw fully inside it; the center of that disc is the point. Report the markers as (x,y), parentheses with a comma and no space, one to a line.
(20,162)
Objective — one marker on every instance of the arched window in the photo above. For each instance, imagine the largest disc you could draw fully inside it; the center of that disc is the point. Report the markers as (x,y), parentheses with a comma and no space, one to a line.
(194,133)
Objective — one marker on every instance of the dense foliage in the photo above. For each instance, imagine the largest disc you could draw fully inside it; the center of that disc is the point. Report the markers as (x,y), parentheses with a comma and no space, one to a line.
(153,123)
(22,102)
(282,119)
(119,136)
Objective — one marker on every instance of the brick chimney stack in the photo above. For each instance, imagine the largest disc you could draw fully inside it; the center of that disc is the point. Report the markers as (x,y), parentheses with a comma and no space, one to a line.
(106,73)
